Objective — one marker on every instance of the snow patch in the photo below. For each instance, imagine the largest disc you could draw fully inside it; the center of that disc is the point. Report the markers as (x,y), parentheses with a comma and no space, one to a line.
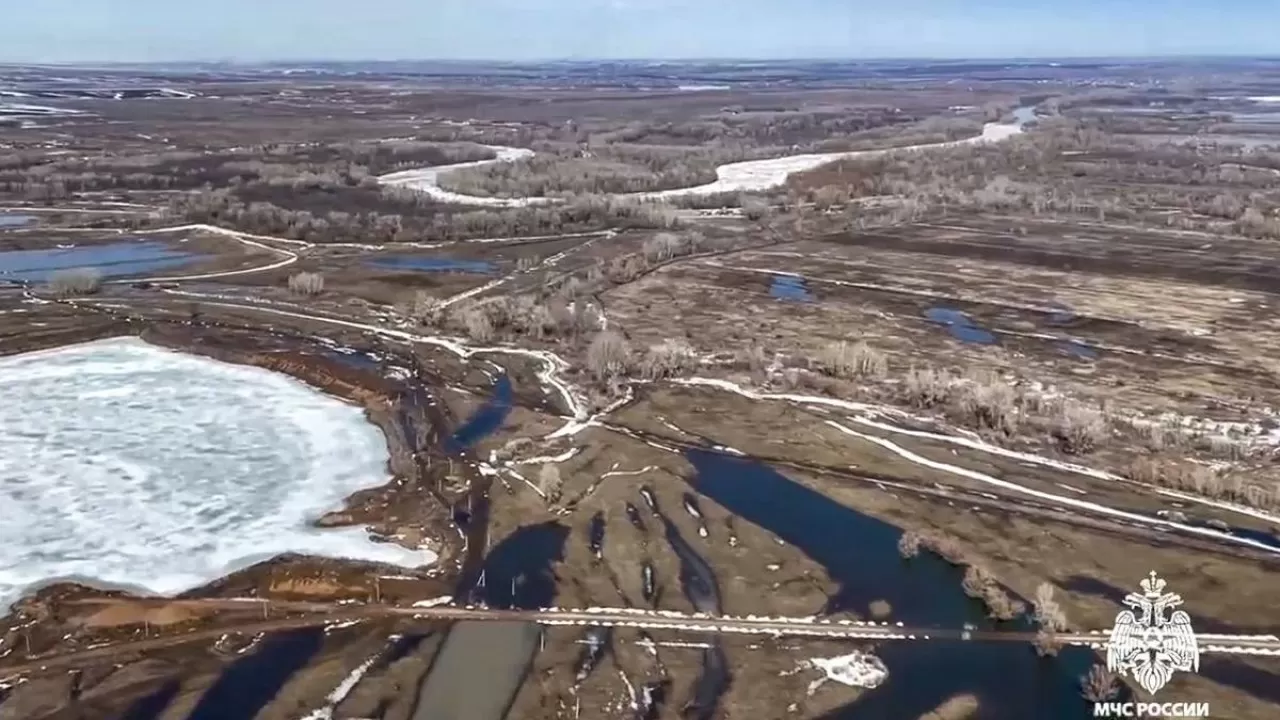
(857,669)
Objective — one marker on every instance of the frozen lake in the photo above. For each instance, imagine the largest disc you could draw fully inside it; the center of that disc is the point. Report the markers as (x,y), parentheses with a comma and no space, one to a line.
(135,466)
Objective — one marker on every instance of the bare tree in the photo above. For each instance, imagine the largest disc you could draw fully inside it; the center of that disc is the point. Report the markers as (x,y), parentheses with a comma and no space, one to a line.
(608,356)
(75,281)
(306,283)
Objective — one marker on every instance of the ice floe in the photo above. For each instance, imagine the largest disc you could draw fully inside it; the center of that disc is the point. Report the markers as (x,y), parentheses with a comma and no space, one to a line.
(132,465)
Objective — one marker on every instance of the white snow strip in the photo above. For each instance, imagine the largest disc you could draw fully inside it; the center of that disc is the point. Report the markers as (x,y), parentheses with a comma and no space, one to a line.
(427,180)
(645,469)
(434,602)
(1059,499)
(340,693)
(966,442)
(562,457)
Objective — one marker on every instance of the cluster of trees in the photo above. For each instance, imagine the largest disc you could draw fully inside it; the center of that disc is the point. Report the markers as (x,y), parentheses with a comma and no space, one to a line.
(226,208)
(42,177)
(1062,169)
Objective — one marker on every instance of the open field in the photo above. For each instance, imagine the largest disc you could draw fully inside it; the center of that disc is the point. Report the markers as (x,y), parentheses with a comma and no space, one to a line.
(932,387)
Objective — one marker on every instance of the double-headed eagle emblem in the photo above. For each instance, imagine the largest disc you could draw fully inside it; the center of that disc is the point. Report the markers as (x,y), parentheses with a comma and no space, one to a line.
(1149,647)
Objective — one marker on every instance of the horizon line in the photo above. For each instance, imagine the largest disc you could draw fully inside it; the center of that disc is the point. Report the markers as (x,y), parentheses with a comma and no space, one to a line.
(641,59)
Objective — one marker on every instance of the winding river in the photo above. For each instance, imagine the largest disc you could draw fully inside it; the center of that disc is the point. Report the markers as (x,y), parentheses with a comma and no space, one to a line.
(748,176)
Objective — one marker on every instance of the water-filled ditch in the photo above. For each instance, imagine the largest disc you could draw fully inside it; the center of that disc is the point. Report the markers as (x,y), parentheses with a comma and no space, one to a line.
(117,259)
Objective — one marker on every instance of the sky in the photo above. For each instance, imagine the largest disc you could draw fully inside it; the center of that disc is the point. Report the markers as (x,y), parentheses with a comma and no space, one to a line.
(37,31)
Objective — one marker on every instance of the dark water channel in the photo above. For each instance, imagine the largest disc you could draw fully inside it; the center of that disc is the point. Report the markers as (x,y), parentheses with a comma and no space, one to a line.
(488,418)
(112,260)
(861,554)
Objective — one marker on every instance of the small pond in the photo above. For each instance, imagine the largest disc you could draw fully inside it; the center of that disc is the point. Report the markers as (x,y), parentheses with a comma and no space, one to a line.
(960,326)
(433,264)
(9,220)
(112,260)
(790,287)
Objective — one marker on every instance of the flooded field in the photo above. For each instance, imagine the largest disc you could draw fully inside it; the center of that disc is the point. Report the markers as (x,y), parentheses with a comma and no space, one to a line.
(121,259)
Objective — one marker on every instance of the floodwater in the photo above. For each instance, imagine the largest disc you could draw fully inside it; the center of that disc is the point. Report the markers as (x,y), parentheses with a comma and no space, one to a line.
(518,572)
(960,326)
(437,264)
(790,287)
(9,220)
(861,554)
(487,419)
(112,260)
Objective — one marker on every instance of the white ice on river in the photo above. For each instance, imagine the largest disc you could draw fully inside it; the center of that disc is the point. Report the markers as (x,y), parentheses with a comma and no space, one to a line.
(127,464)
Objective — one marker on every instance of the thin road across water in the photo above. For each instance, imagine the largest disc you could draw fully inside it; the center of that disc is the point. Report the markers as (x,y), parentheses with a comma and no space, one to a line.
(324,613)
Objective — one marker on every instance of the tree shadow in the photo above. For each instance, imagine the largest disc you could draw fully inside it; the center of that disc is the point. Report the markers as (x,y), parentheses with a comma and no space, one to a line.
(251,682)
(151,705)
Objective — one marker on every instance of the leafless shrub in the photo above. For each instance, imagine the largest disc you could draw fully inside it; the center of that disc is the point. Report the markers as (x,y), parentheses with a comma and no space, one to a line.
(1080,428)
(926,388)
(306,283)
(791,378)
(981,584)
(845,360)
(1046,643)
(909,544)
(987,401)
(1049,613)
(1099,684)
(1223,447)
(752,359)
(753,208)
(477,323)
(75,281)
(549,481)
(423,307)
(663,247)
(1145,470)
(608,356)
(669,358)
